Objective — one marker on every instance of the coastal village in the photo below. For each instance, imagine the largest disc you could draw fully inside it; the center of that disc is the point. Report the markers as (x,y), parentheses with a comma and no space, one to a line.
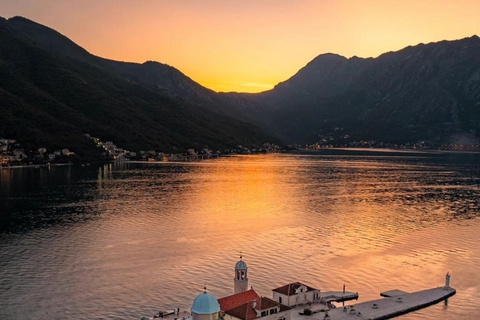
(13,154)
(298,301)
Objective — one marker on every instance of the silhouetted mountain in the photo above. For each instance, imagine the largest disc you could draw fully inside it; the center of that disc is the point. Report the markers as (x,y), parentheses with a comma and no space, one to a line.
(52,91)
(152,74)
(427,92)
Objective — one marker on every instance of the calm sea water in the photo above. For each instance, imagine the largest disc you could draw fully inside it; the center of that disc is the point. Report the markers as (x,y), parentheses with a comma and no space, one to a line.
(120,241)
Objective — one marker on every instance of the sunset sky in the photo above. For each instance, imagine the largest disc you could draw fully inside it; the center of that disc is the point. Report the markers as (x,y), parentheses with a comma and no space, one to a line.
(248,45)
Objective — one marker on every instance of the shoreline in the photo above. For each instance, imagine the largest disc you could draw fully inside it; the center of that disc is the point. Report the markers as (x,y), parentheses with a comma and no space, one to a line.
(390,150)
(379,150)
(37,166)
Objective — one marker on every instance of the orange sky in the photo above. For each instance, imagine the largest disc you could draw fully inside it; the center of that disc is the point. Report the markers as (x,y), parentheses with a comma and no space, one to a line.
(248,45)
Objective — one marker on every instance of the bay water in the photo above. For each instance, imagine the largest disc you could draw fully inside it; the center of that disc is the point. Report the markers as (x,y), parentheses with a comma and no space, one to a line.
(124,240)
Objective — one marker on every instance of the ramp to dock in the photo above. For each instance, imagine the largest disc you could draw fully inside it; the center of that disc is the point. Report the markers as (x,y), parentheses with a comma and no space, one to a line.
(392,293)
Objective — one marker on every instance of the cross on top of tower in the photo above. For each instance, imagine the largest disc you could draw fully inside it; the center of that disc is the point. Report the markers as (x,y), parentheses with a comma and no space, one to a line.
(241,278)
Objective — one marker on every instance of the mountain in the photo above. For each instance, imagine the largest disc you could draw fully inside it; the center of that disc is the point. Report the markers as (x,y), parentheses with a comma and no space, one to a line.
(52,91)
(151,74)
(427,92)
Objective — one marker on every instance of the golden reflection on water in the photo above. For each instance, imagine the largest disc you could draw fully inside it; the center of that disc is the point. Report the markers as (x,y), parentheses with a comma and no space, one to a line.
(238,200)
(375,224)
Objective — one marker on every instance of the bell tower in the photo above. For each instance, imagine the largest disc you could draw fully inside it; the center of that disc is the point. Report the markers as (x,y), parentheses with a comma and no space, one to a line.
(241,280)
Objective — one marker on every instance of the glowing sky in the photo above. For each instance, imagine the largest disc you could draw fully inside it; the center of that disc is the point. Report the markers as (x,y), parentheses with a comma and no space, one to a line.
(248,45)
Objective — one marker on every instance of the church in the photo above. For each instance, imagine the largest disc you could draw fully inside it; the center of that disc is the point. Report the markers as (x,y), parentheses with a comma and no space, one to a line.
(244,304)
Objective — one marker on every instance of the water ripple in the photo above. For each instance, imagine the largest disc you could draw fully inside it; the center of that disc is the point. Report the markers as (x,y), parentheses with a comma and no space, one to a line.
(122,241)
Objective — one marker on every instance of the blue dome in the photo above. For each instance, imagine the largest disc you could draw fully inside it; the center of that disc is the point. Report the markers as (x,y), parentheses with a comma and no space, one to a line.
(241,265)
(205,304)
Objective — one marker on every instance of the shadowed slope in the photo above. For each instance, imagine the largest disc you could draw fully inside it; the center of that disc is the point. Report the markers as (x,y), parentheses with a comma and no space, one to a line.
(51,99)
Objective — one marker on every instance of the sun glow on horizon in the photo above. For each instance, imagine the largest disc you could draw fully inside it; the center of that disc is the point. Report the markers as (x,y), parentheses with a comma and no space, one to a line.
(250,45)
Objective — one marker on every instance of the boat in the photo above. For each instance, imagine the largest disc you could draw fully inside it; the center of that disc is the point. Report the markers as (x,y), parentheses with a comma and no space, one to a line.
(165,313)
(161,314)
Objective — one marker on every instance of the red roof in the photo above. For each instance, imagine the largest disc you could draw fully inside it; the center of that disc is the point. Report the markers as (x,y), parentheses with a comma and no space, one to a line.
(236,300)
(290,289)
(266,303)
(247,311)
(244,312)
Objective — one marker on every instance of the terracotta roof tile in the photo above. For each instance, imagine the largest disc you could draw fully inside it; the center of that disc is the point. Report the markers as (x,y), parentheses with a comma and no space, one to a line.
(237,300)
(247,311)
(290,288)
(243,312)
(266,303)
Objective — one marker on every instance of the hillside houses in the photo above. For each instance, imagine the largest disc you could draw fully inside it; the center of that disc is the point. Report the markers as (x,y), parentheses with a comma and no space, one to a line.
(12,153)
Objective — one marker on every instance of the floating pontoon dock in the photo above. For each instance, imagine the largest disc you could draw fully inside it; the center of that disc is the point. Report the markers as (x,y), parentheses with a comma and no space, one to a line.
(392,306)
(395,304)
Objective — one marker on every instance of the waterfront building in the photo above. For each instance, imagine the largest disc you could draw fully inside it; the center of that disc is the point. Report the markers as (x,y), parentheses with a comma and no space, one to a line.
(259,308)
(247,304)
(238,299)
(295,293)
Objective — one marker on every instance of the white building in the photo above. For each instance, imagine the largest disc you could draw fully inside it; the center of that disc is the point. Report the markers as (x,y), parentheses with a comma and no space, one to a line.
(295,293)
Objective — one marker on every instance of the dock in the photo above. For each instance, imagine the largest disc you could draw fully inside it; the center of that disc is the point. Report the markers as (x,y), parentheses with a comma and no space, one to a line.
(317,305)
(338,296)
(394,304)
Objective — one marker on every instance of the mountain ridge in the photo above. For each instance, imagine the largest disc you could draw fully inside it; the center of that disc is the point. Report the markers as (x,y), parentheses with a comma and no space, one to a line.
(401,96)
(427,92)
(51,100)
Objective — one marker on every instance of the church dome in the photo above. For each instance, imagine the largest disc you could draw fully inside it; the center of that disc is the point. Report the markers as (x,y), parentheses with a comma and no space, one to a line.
(241,265)
(205,303)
